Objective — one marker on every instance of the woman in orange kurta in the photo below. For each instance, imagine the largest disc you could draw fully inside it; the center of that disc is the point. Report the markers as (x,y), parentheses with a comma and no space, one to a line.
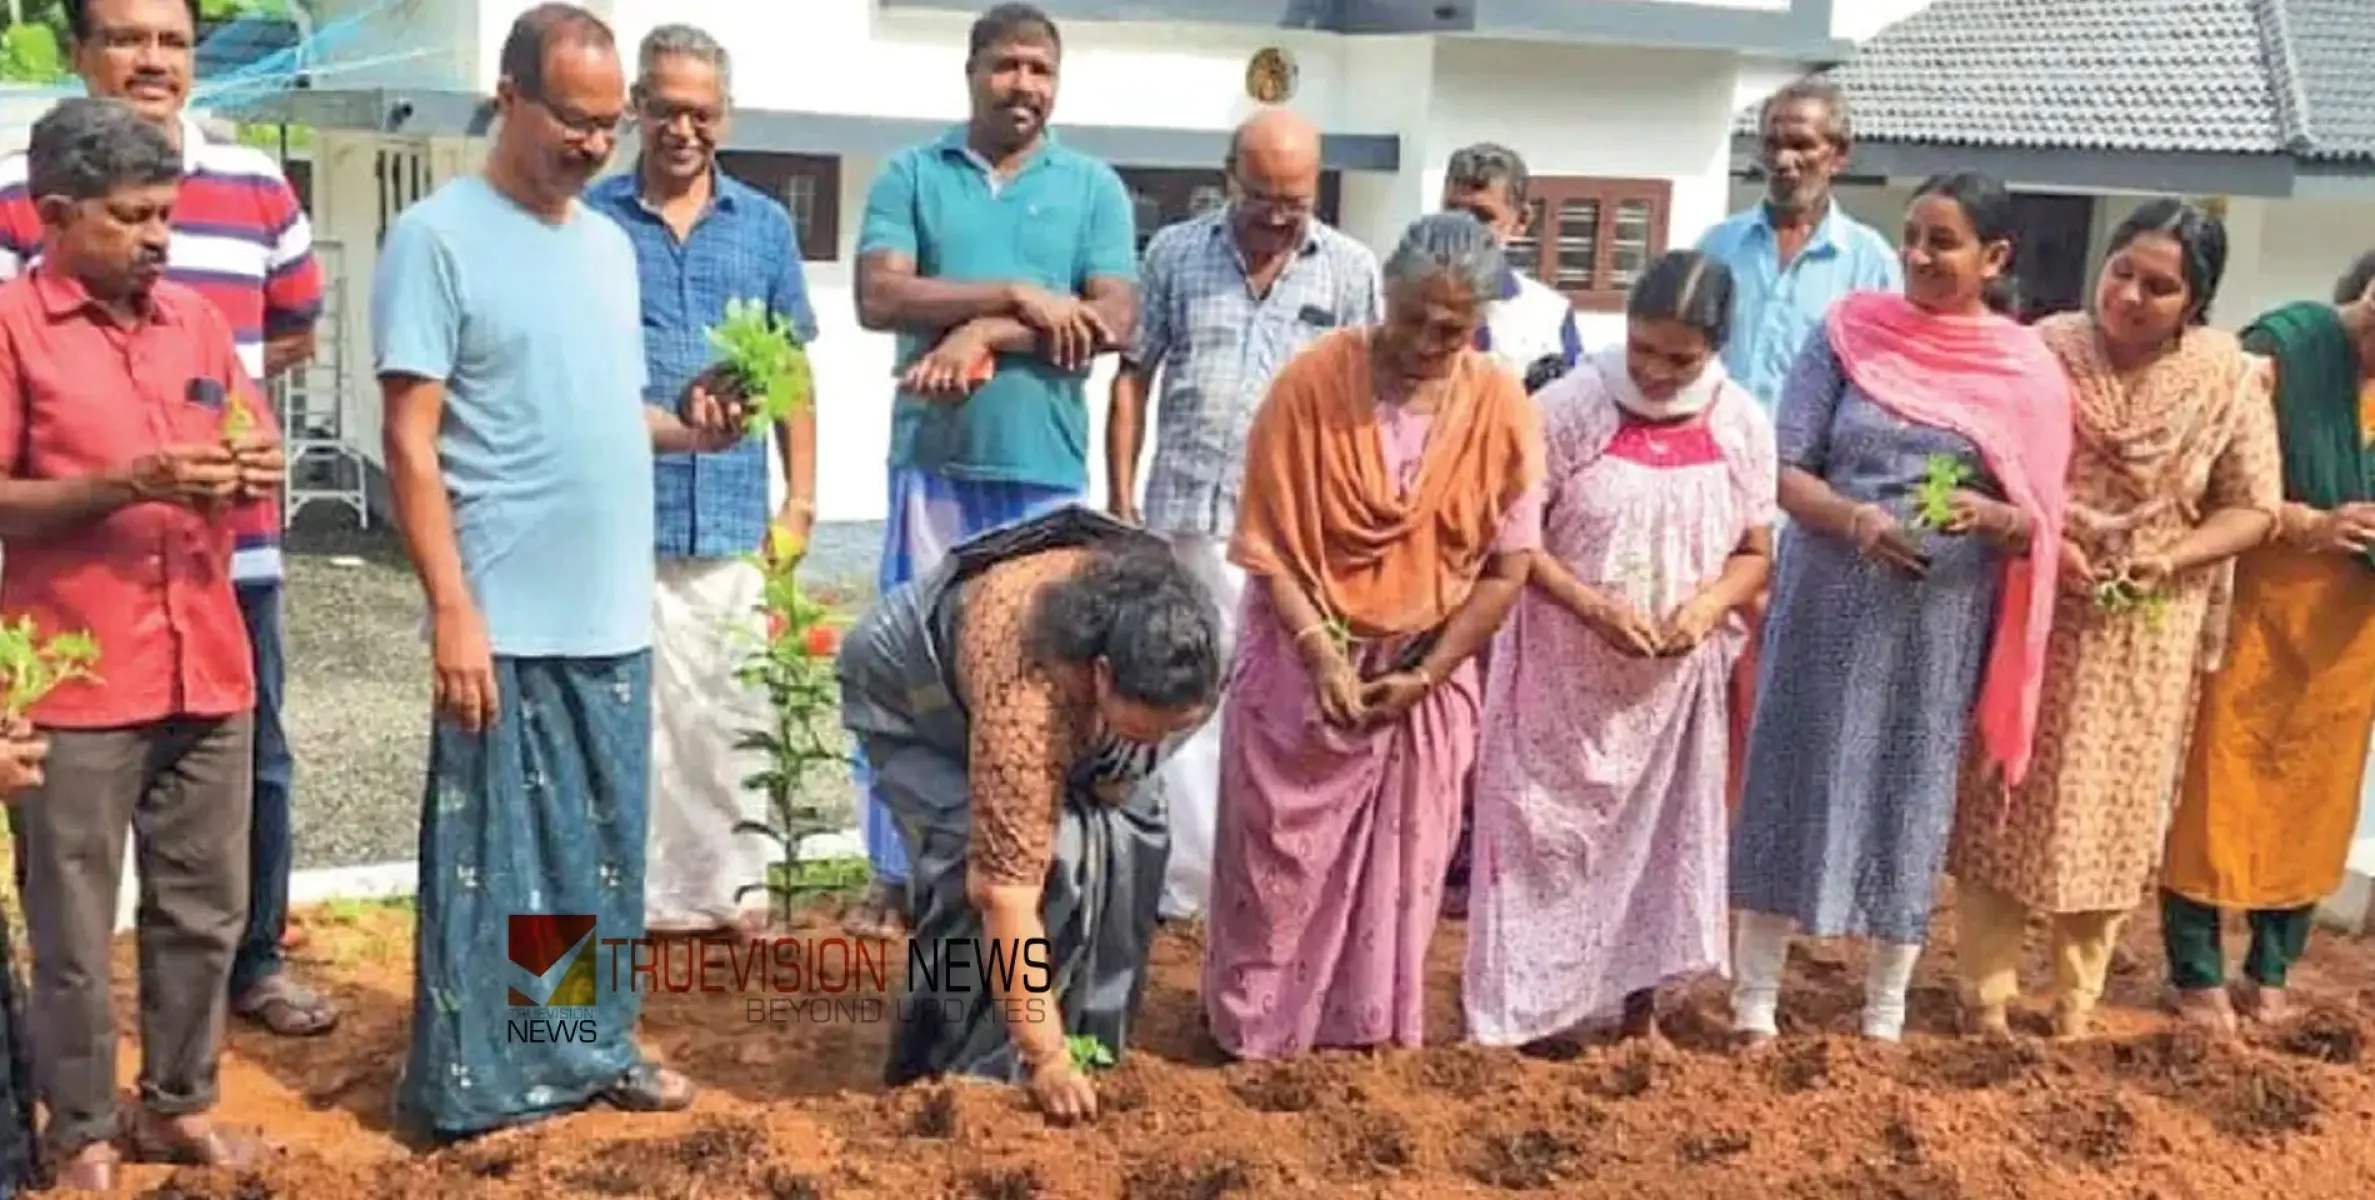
(2271,791)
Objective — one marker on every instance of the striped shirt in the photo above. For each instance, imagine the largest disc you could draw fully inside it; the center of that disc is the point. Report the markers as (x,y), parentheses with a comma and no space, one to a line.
(241,240)
(1217,345)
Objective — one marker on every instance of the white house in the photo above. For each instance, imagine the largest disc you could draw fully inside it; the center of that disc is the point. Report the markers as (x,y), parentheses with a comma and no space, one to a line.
(1623,108)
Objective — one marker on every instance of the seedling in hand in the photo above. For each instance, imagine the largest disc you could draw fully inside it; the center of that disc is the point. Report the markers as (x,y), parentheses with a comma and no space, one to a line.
(32,668)
(1933,498)
(2123,595)
(1088,1053)
(237,420)
(765,360)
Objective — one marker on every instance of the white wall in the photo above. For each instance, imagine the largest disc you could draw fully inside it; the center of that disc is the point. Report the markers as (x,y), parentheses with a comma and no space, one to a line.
(1590,110)
(1569,109)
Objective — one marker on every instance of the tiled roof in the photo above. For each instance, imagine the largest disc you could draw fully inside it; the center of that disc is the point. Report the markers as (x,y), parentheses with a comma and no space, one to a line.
(2221,76)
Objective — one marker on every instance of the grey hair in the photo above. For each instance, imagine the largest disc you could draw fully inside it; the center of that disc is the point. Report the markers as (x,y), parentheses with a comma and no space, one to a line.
(1818,90)
(85,148)
(1449,243)
(689,41)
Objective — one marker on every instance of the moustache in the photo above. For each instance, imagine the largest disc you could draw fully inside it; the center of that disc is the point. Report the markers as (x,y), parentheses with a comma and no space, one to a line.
(1018,100)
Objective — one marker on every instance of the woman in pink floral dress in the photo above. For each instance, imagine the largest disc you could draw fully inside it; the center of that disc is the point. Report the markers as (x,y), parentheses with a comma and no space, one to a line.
(1600,827)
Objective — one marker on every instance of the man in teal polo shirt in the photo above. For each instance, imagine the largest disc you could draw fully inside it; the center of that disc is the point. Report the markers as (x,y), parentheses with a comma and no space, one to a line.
(1006,263)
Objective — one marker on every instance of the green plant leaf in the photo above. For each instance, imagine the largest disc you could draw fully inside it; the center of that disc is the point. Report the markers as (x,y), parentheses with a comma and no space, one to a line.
(764,355)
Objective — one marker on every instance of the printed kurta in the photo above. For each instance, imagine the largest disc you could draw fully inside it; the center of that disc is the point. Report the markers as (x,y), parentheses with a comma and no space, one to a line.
(1600,786)
(1328,869)
(2191,434)
(2270,799)
(1867,684)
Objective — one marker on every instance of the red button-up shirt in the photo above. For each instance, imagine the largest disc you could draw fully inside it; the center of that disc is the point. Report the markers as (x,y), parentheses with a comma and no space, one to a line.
(81,395)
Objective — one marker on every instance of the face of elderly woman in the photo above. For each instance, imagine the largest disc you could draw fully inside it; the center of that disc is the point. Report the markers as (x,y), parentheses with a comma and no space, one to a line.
(1428,321)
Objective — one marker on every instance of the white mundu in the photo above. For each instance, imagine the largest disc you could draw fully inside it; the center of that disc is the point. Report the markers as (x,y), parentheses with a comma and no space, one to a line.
(1191,776)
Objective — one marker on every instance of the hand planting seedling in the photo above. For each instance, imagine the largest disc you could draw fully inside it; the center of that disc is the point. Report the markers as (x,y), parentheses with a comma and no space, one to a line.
(33,668)
(1088,1053)
(1933,498)
(765,360)
(2124,595)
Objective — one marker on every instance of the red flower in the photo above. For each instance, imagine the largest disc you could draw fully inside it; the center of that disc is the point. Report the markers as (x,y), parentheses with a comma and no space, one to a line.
(823,641)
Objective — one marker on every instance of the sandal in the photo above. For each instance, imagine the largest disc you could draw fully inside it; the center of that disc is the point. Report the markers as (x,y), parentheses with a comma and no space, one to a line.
(287,1008)
(157,1140)
(648,1089)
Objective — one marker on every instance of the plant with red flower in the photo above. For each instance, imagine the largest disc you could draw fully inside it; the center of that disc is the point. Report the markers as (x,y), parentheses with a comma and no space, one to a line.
(794,667)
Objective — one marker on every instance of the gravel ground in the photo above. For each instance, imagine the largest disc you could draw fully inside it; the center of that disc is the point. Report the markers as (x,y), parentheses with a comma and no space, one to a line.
(358,691)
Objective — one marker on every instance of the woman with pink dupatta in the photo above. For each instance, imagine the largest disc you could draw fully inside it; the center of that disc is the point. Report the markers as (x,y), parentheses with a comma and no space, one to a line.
(1924,441)
(1392,498)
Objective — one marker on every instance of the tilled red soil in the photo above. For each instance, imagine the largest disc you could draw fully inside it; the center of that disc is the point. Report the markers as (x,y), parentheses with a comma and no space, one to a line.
(794,1111)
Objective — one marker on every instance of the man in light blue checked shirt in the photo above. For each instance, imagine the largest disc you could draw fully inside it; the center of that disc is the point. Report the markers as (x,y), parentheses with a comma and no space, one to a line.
(702,239)
(1228,298)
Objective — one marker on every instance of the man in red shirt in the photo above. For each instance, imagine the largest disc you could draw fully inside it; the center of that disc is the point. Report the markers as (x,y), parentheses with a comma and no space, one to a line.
(118,471)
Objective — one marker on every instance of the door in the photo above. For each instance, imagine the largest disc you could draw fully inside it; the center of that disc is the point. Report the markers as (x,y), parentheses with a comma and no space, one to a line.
(2050,260)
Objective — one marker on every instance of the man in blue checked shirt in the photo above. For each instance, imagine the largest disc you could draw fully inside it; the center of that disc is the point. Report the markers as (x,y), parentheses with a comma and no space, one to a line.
(1227,298)
(701,239)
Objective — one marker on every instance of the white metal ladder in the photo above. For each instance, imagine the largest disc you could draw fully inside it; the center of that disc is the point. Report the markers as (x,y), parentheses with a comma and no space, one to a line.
(322,464)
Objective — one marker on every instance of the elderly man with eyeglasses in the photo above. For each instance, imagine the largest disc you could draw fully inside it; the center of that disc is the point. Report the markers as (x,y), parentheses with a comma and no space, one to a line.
(703,239)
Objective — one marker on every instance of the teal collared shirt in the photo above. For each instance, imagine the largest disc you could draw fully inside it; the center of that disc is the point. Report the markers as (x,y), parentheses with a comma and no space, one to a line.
(1061,220)
(1774,310)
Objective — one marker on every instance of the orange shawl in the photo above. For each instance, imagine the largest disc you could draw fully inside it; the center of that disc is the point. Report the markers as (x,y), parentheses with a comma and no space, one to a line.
(1320,508)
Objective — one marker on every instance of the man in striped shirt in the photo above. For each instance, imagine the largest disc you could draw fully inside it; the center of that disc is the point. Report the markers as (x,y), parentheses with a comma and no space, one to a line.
(241,240)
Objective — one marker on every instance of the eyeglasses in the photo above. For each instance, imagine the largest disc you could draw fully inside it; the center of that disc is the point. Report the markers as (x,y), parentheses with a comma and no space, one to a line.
(664,112)
(581,127)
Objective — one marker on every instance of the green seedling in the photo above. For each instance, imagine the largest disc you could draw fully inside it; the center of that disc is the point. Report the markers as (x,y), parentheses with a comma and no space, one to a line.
(1933,498)
(1088,1053)
(33,668)
(2123,596)
(765,360)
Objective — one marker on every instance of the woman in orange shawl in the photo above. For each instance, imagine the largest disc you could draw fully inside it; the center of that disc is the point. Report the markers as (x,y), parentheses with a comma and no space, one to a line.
(1392,498)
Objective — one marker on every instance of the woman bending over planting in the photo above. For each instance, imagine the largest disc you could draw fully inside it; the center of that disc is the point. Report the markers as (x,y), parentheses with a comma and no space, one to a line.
(2175,470)
(1600,784)
(1923,441)
(1013,705)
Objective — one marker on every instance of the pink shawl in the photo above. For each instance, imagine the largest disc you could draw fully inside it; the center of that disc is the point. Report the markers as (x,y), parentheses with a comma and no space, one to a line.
(1994,382)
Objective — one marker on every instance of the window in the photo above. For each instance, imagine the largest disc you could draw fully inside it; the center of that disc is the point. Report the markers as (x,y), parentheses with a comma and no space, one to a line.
(1591,238)
(808,184)
(1169,195)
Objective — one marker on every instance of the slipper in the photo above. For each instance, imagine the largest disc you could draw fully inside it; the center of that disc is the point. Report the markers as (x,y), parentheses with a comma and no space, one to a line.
(287,1008)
